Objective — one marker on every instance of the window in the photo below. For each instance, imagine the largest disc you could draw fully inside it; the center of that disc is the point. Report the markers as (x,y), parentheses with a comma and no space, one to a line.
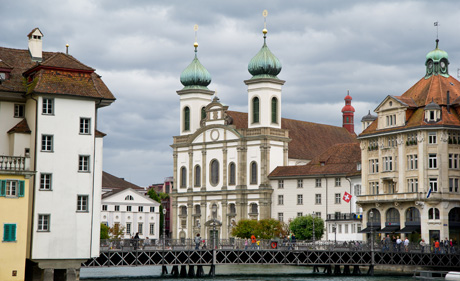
(317,182)
(387,163)
(299,199)
(19,110)
(374,188)
(345,226)
(412,162)
(82,203)
(357,189)
(318,199)
(152,229)
(129,198)
(253,173)
(183,223)
(433,214)
(43,223)
(117,208)
(139,228)
(214,172)
(128,228)
(83,163)
(128,208)
(337,182)
(186,119)
(203,113)
(85,126)
(9,232)
(392,141)
(183,177)
(274,110)
(281,217)
(48,106)
(299,214)
(45,181)
(183,211)
(197,176)
(432,137)
(232,208)
(358,166)
(373,166)
(391,187)
(11,188)
(300,183)
(280,199)
(391,120)
(432,161)
(453,184)
(338,197)
(47,143)
(318,214)
(140,209)
(255,110)
(254,208)
(198,209)
(453,161)
(412,185)
(104,208)
(152,209)
(340,228)
(280,184)
(412,214)
(232,174)
(433,184)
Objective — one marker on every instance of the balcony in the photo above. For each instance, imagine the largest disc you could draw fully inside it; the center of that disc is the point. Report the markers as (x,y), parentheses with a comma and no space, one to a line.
(344,217)
(14,163)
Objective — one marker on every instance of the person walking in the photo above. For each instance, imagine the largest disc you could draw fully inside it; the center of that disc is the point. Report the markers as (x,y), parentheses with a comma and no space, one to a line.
(436,247)
(406,244)
(451,244)
(136,240)
(398,244)
(387,243)
(253,241)
(197,241)
(245,243)
(422,245)
(293,240)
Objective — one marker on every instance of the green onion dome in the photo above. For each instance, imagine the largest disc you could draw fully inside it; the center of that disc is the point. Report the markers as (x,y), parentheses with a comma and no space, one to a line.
(264,64)
(195,75)
(437,54)
(437,62)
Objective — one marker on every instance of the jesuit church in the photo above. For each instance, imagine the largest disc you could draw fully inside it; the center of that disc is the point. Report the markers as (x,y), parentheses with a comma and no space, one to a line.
(222,158)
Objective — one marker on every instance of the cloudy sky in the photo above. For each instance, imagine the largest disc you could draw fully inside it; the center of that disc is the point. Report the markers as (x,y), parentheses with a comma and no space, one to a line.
(372,48)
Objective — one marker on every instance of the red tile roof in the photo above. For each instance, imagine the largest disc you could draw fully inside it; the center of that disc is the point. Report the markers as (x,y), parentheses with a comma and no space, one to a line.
(113,182)
(307,139)
(21,127)
(339,159)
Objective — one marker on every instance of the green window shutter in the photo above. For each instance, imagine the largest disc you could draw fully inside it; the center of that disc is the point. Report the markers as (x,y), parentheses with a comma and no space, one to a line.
(2,187)
(21,188)
(7,232)
(13,232)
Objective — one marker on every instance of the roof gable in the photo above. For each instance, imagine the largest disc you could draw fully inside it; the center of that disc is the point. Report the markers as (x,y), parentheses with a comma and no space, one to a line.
(387,104)
(120,197)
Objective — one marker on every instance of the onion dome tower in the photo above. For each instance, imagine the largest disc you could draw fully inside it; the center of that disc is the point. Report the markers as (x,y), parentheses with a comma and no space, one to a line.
(348,113)
(195,95)
(437,62)
(367,120)
(264,88)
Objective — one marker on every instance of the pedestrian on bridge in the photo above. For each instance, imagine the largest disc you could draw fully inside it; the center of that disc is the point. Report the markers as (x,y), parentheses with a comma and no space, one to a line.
(436,247)
(197,241)
(406,244)
(253,241)
(245,243)
(422,245)
(398,244)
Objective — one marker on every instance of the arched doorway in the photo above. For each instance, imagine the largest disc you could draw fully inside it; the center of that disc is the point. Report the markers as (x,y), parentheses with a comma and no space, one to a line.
(373,224)
(412,227)
(392,222)
(454,225)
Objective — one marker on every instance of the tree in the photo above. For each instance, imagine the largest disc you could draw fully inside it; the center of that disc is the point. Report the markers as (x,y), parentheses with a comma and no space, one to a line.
(117,231)
(158,197)
(244,228)
(264,229)
(104,231)
(302,227)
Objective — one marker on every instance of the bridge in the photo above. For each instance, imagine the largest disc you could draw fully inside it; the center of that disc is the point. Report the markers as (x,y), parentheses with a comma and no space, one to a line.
(332,259)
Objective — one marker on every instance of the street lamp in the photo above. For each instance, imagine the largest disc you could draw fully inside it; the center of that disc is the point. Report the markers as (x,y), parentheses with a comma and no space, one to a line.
(214,215)
(371,215)
(335,234)
(313,220)
(164,227)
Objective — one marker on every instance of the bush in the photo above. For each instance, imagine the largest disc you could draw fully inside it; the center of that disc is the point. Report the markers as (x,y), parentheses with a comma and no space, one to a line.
(302,227)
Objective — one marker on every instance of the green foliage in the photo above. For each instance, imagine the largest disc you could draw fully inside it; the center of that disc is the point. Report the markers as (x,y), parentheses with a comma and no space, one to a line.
(302,227)
(158,197)
(264,229)
(104,231)
(117,231)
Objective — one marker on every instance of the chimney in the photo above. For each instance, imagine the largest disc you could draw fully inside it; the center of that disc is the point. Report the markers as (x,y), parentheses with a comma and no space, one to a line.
(35,45)
(448,102)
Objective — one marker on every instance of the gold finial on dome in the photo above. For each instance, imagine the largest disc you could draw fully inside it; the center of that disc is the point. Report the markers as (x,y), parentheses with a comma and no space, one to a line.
(265,14)
(195,27)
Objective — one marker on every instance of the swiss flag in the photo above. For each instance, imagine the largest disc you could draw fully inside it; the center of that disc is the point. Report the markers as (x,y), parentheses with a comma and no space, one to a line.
(347,197)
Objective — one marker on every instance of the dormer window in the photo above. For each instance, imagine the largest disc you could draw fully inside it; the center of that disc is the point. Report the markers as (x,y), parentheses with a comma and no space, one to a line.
(432,112)
(38,37)
(2,76)
(391,120)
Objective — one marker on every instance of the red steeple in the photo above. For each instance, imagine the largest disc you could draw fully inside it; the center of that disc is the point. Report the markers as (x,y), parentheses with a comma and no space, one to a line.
(348,115)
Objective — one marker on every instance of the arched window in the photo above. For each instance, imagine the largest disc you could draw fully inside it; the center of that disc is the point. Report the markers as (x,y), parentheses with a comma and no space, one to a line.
(433,214)
(392,215)
(413,214)
(183,210)
(253,173)
(197,176)
(203,113)
(274,110)
(197,209)
(375,216)
(214,172)
(186,119)
(231,174)
(254,208)
(183,177)
(232,209)
(129,197)
(255,110)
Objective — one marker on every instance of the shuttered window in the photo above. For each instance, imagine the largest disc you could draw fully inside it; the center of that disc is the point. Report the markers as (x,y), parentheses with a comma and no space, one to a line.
(12,188)
(9,232)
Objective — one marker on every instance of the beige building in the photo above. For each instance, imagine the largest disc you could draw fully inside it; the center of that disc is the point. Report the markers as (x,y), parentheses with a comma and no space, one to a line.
(410,158)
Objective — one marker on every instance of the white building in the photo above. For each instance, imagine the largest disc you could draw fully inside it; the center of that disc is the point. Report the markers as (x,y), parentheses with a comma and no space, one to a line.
(48,110)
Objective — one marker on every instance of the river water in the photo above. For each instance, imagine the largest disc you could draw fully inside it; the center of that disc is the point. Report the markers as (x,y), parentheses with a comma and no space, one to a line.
(231,273)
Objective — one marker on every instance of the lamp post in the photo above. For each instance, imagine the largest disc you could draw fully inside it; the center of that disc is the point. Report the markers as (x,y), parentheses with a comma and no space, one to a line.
(164,227)
(214,215)
(313,220)
(371,215)
(335,234)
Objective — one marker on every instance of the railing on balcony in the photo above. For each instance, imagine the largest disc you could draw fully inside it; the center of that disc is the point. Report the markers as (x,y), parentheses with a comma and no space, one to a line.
(344,216)
(14,163)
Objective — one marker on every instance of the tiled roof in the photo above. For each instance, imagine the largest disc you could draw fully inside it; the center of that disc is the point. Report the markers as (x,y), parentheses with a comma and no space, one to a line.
(57,74)
(308,139)
(99,134)
(21,127)
(113,182)
(339,159)
(433,88)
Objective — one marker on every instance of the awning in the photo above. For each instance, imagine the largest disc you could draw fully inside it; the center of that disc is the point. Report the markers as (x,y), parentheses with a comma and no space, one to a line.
(410,229)
(389,229)
(368,230)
